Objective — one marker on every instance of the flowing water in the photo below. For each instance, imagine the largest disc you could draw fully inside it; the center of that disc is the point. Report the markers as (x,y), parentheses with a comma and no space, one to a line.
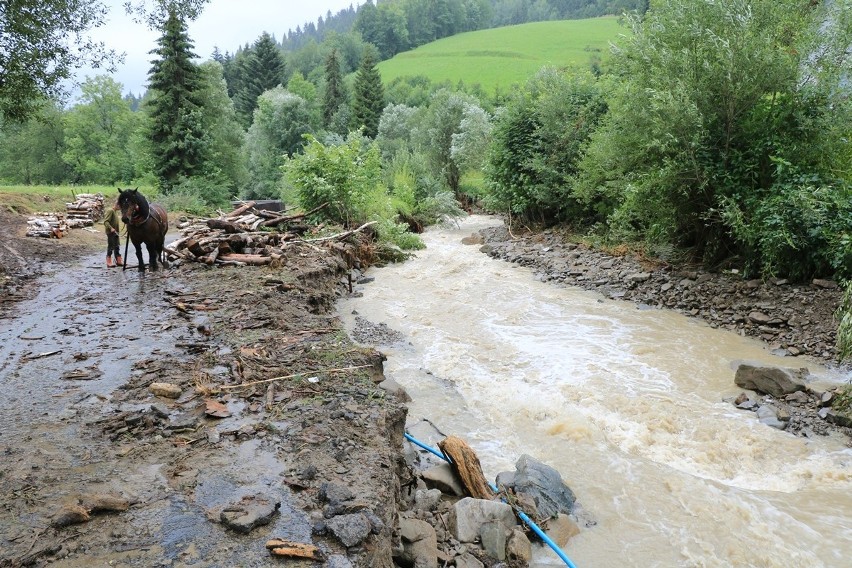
(631,406)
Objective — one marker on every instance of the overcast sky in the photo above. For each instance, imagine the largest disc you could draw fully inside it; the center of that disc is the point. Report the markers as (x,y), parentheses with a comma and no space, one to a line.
(226,24)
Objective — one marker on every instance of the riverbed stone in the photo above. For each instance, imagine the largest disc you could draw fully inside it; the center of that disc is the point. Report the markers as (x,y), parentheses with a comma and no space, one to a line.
(493,537)
(444,478)
(768,415)
(166,390)
(419,543)
(544,484)
(468,515)
(518,547)
(250,512)
(775,381)
(350,529)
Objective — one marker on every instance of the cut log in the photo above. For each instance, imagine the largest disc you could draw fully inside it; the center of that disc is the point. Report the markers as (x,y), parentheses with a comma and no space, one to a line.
(240,210)
(226,226)
(254,259)
(286,548)
(466,465)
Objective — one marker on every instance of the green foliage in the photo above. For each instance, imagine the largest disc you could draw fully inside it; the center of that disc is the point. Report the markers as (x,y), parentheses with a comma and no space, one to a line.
(263,70)
(334,95)
(98,131)
(36,55)
(398,234)
(31,151)
(844,327)
(197,196)
(447,130)
(537,145)
(176,125)
(708,97)
(280,122)
(346,177)
(368,99)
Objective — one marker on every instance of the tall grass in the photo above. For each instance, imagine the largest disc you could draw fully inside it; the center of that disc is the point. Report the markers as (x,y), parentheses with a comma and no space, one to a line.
(499,58)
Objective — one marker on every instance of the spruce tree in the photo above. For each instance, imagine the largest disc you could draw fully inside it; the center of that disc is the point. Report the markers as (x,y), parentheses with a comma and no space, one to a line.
(335,90)
(369,97)
(176,136)
(264,69)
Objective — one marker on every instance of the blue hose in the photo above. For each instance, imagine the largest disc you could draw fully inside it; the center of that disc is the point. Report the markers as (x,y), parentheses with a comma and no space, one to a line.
(523,516)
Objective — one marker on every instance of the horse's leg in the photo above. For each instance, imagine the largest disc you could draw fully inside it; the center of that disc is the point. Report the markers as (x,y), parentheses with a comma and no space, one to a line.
(138,247)
(152,255)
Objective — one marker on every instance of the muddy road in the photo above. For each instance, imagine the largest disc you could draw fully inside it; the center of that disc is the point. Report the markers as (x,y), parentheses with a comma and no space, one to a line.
(98,470)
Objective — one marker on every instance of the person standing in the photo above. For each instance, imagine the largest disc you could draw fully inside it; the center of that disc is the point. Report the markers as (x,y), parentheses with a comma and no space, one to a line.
(112,225)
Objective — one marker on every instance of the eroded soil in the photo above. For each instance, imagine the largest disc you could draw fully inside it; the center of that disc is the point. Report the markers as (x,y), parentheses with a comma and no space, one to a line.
(275,405)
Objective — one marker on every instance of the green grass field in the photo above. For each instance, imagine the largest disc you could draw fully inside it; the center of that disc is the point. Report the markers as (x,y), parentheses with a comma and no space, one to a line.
(25,199)
(499,58)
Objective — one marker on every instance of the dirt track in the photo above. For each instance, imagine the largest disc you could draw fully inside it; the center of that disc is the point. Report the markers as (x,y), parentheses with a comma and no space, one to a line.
(81,345)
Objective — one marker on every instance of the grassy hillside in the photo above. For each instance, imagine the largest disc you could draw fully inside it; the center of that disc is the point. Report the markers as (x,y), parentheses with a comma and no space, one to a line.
(500,57)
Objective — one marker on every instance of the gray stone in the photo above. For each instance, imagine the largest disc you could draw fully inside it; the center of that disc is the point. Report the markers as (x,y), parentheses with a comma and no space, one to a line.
(493,536)
(444,478)
(468,515)
(506,479)
(839,418)
(419,543)
(544,485)
(338,561)
(249,512)
(427,500)
(350,530)
(518,547)
(392,387)
(768,415)
(468,560)
(774,381)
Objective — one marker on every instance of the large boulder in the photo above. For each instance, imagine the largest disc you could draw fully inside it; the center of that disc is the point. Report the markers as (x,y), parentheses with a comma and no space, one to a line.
(468,515)
(544,486)
(774,381)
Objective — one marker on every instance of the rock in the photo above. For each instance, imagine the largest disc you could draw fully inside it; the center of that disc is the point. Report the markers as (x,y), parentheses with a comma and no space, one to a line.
(826,398)
(468,560)
(800,397)
(759,318)
(70,515)
(249,512)
(468,515)
(99,503)
(474,239)
(336,497)
(444,478)
(427,500)
(768,415)
(166,390)
(743,397)
(519,548)
(774,381)
(544,485)
(561,529)
(419,543)
(839,418)
(825,284)
(351,529)
(392,387)
(493,537)
(338,561)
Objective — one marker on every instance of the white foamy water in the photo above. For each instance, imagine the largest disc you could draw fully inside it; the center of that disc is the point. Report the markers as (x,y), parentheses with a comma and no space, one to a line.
(631,406)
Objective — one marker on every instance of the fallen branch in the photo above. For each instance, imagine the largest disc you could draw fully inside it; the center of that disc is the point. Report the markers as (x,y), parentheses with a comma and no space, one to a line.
(285,377)
(341,235)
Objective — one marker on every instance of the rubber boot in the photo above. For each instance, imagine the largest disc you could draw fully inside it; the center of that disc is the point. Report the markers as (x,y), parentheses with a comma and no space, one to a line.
(109,262)
(119,261)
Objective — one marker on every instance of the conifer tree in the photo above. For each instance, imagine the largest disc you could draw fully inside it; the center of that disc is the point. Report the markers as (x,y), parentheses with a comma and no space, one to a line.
(369,97)
(335,90)
(176,136)
(264,69)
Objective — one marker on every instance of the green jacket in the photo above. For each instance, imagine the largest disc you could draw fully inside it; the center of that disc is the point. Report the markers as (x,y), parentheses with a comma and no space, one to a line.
(112,220)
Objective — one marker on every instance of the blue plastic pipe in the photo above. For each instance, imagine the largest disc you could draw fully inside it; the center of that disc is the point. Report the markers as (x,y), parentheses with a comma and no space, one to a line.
(524,517)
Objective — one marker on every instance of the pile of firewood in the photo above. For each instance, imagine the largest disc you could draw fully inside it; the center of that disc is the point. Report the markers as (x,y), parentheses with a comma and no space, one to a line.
(86,209)
(48,225)
(245,236)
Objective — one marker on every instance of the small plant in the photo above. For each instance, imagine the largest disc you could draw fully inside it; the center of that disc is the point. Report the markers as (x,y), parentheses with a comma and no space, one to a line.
(842,401)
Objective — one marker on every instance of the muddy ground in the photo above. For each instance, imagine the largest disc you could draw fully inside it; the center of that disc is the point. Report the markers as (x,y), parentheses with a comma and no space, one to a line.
(275,424)
(277,416)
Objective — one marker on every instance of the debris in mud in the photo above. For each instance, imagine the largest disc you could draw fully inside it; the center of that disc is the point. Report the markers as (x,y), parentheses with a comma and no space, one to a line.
(82,507)
(83,212)
(166,390)
(288,549)
(249,513)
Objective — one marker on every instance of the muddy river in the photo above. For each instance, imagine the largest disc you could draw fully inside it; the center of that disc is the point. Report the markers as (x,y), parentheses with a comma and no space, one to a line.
(631,406)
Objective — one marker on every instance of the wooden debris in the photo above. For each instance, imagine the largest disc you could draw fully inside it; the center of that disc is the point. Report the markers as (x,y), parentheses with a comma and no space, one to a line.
(250,237)
(86,209)
(466,465)
(216,409)
(290,549)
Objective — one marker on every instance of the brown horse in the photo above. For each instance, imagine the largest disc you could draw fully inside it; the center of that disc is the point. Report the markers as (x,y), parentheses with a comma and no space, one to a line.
(146,223)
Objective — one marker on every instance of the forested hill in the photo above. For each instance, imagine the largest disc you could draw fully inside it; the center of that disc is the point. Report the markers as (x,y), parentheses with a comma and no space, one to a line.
(394,26)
